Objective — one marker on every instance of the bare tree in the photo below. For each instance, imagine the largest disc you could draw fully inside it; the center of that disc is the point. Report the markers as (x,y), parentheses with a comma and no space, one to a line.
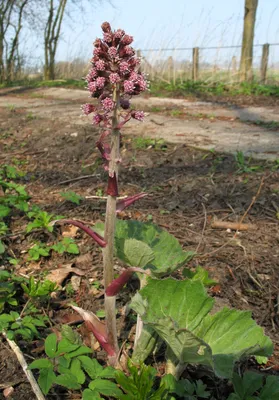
(11,15)
(246,62)
(51,36)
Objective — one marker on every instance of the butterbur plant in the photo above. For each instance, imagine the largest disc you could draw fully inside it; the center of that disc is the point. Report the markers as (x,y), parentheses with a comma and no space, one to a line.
(182,317)
(114,78)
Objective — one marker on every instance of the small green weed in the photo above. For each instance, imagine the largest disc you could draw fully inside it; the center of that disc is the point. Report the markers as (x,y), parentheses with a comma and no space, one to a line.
(185,389)
(73,197)
(68,365)
(252,386)
(42,220)
(243,166)
(14,325)
(37,251)
(144,143)
(67,245)
(140,383)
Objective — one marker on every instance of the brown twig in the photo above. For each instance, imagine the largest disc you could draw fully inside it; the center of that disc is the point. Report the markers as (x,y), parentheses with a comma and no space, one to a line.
(19,355)
(251,204)
(203,229)
(235,226)
(79,178)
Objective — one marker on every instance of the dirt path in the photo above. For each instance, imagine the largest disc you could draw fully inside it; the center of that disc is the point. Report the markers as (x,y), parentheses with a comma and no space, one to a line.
(205,125)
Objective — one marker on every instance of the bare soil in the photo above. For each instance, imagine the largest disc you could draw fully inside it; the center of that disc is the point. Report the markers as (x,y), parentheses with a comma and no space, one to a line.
(188,189)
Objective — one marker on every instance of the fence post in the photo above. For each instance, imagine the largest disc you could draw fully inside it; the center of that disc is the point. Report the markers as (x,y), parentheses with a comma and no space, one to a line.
(195,64)
(264,62)
(170,68)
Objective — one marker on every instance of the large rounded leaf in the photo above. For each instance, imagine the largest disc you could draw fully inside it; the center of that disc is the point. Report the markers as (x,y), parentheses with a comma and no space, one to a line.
(162,253)
(179,312)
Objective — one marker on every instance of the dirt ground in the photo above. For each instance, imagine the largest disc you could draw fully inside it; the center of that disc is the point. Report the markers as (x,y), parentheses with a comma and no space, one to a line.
(188,189)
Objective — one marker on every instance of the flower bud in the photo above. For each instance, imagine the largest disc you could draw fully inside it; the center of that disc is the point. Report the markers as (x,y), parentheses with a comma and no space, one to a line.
(106,27)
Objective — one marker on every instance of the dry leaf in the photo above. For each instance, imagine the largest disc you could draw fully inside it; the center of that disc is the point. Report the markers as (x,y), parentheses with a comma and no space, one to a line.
(8,391)
(75,281)
(69,231)
(84,261)
(60,274)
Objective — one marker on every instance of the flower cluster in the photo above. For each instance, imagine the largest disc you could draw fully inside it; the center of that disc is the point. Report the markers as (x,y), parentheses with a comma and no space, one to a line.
(114,65)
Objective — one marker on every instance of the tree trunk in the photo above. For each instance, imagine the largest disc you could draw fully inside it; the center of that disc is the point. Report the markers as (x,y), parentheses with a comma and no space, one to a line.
(246,72)
(52,35)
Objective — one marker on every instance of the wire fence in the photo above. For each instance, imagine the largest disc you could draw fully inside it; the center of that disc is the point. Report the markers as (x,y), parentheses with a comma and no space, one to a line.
(213,64)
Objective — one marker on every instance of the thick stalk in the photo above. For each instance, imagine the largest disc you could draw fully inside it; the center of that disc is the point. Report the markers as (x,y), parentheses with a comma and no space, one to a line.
(109,233)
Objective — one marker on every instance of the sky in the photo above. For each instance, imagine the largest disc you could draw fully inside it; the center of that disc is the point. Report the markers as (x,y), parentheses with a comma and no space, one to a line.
(167,23)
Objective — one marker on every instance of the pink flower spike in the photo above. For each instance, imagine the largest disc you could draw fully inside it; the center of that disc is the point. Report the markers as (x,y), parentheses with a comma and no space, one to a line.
(112,189)
(100,82)
(95,236)
(100,65)
(114,78)
(87,108)
(97,328)
(139,115)
(129,87)
(127,39)
(117,284)
(108,104)
(119,33)
(128,201)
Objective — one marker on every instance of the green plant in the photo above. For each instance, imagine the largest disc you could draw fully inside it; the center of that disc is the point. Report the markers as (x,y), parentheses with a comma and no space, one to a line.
(37,251)
(184,388)
(7,290)
(176,313)
(182,319)
(35,289)
(253,386)
(99,192)
(72,197)
(139,384)
(30,116)
(42,220)
(67,245)
(144,143)
(13,325)
(69,366)
(243,166)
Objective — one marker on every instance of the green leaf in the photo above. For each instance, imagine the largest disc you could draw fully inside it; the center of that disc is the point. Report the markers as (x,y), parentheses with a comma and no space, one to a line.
(168,254)
(43,363)
(199,274)
(91,366)
(4,211)
(6,318)
(134,252)
(64,346)
(145,345)
(68,380)
(105,387)
(271,389)
(77,371)
(88,394)
(78,352)
(2,247)
(71,335)
(72,196)
(247,385)
(46,379)
(261,360)
(51,345)
(181,318)
(108,373)
(59,248)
